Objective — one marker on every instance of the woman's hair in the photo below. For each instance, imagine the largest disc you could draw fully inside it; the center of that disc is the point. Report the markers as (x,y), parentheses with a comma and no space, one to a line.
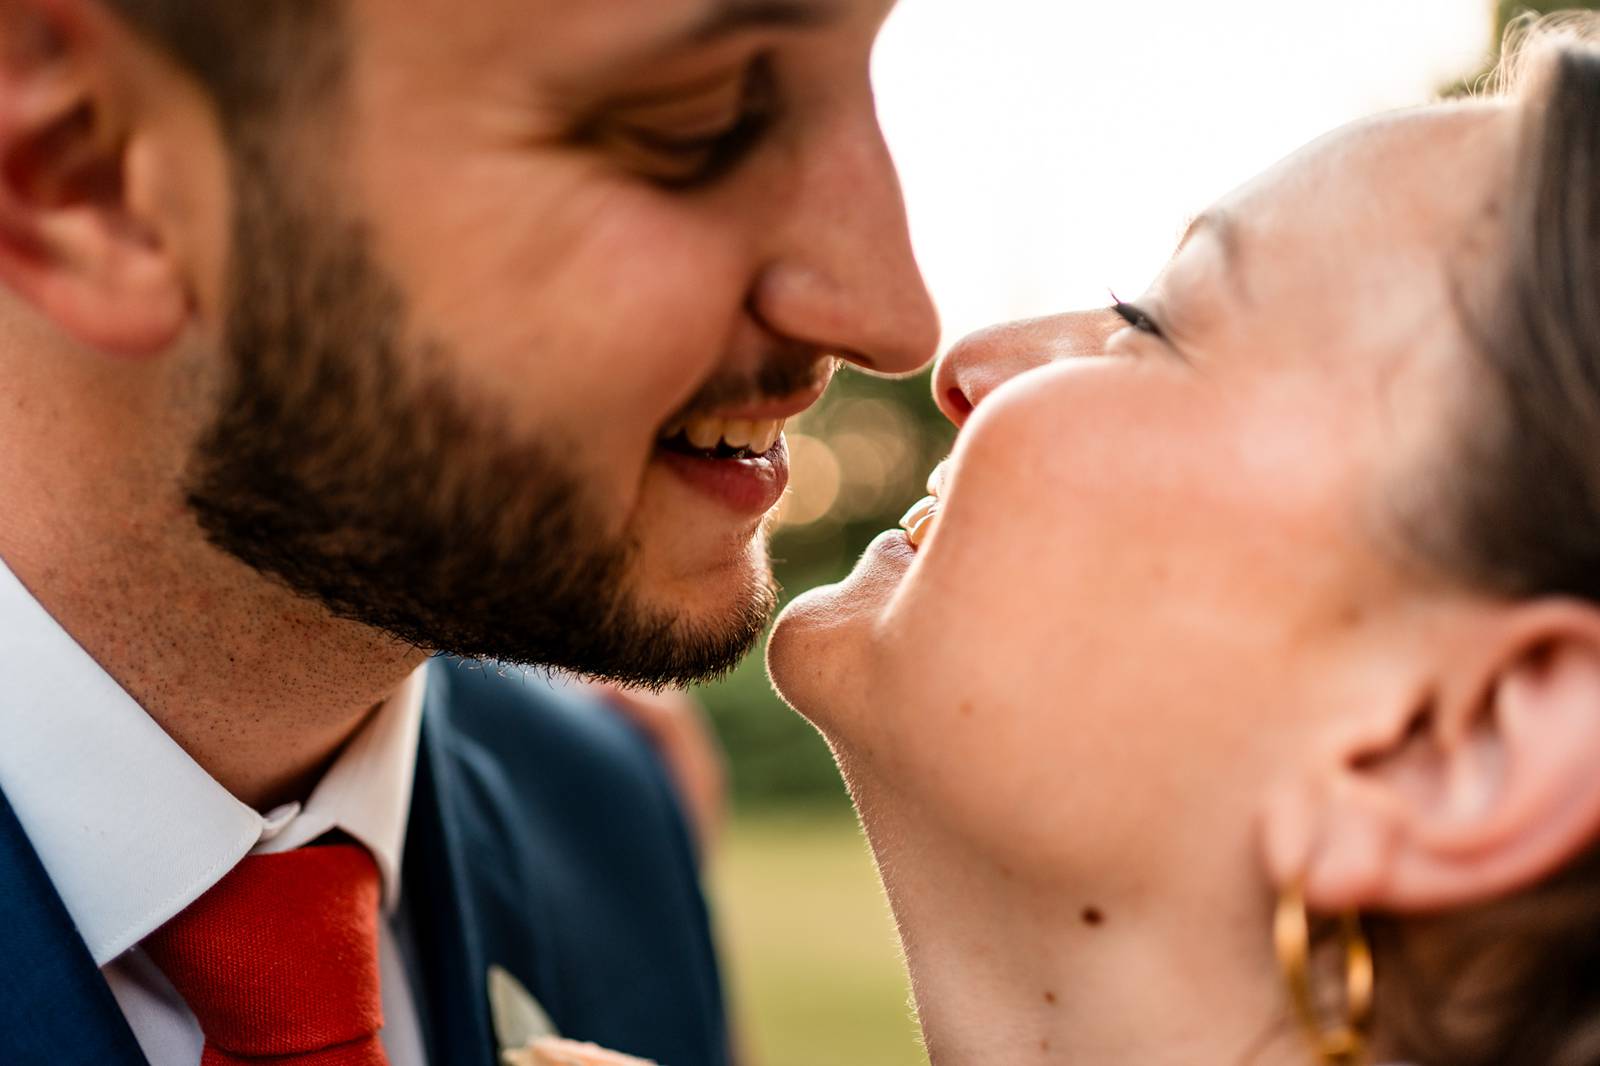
(1517,981)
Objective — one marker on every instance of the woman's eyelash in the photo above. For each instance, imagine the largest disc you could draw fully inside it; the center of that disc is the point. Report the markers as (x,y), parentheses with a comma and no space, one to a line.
(1135,316)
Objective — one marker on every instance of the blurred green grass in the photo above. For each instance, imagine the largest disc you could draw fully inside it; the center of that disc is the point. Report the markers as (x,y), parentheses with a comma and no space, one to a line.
(814,967)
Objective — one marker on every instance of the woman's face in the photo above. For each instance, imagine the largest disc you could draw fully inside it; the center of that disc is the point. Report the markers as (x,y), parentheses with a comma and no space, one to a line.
(1165,567)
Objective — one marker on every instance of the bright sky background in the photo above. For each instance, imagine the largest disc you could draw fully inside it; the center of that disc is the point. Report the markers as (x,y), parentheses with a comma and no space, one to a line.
(1052,148)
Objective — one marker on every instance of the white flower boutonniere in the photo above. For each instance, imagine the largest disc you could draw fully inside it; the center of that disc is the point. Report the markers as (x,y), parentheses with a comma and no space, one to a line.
(527,1036)
(554,1052)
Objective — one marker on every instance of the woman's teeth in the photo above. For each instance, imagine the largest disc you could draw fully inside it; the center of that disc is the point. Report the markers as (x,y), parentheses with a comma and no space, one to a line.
(919,521)
(734,434)
(924,515)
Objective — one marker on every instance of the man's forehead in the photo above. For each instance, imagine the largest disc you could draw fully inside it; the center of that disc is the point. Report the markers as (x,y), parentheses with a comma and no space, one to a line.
(644,27)
(716,18)
(575,40)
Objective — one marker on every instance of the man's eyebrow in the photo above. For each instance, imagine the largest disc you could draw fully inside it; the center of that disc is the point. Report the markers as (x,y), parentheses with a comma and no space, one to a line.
(724,18)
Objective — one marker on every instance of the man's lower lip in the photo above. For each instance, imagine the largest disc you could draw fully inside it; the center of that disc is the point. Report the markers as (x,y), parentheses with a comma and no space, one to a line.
(747,486)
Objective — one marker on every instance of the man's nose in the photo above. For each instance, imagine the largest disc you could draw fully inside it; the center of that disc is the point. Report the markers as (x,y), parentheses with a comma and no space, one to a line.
(842,277)
(989,358)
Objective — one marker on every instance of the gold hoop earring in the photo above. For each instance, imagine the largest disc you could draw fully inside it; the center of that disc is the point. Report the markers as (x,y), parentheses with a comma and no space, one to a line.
(1344,1042)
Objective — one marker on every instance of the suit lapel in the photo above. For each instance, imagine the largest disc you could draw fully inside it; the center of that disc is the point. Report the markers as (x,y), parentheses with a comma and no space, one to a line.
(450,968)
(54,1004)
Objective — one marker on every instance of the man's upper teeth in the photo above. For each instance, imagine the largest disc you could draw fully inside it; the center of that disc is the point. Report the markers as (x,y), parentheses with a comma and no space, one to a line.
(704,432)
(757,437)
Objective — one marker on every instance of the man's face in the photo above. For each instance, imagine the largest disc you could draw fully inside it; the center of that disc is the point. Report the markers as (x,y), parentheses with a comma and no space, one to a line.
(539,254)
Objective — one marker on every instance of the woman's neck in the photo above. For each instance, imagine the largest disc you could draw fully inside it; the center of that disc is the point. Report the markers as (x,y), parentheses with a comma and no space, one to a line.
(1007,968)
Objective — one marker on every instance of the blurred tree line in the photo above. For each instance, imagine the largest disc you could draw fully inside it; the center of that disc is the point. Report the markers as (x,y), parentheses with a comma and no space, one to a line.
(1505,11)
(860,459)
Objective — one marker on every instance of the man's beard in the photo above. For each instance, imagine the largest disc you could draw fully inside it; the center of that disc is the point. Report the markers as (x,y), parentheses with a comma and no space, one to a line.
(349,467)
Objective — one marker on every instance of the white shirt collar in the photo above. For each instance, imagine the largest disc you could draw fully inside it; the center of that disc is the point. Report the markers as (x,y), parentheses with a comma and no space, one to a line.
(366,792)
(132,830)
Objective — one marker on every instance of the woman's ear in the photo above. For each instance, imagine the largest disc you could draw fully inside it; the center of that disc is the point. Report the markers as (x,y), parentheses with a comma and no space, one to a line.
(73,241)
(1484,787)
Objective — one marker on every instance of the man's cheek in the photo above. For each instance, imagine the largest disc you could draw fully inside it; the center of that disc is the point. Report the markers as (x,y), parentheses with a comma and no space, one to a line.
(653,266)
(660,309)
(614,345)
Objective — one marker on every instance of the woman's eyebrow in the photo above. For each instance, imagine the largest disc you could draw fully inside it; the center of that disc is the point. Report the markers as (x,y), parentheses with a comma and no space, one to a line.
(1218,224)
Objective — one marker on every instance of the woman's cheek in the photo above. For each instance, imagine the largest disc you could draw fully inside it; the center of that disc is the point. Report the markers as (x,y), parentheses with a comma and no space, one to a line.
(990,590)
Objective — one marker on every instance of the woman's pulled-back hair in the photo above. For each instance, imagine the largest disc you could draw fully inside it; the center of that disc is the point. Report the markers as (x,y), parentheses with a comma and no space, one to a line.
(1517,982)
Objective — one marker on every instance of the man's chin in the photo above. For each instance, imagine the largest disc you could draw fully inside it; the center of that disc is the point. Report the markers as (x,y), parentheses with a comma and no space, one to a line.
(703,634)
(635,629)
(702,574)
(695,653)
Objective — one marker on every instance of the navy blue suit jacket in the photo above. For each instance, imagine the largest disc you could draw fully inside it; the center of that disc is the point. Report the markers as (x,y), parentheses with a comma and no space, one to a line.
(544,838)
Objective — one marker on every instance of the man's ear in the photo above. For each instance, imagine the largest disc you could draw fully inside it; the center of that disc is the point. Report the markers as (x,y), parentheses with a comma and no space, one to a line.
(1487,784)
(72,242)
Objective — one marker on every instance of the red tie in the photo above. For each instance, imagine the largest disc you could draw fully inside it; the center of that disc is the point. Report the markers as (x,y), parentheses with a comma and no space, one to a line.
(280,960)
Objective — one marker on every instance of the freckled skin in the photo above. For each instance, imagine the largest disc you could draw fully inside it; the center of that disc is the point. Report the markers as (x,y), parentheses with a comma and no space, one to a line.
(1153,591)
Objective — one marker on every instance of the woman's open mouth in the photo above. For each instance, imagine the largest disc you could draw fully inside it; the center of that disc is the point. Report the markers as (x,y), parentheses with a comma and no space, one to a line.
(919,522)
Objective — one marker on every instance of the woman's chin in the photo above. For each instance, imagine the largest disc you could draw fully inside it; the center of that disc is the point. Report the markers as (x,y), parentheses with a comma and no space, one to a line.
(820,644)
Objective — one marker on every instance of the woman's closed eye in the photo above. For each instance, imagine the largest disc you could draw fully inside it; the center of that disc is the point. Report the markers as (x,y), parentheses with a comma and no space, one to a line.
(692,137)
(1136,317)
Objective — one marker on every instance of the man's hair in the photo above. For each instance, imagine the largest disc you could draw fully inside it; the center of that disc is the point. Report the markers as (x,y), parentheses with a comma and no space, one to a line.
(1513,982)
(251,56)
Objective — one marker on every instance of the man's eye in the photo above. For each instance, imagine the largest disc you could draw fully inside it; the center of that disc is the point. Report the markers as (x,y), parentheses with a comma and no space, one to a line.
(682,144)
(680,162)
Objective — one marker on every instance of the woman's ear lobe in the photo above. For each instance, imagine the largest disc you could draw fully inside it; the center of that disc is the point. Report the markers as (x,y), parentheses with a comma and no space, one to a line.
(72,241)
(1487,791)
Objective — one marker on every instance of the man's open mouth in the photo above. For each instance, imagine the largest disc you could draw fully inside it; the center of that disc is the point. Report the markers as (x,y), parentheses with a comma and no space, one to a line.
(722,438)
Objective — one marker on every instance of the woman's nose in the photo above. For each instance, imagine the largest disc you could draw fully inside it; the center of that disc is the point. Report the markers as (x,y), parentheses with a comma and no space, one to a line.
(989,358)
